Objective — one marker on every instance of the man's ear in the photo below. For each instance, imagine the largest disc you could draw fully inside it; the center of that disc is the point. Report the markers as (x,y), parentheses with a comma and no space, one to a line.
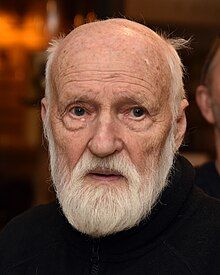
(204,101)
(181,123)
(44,108)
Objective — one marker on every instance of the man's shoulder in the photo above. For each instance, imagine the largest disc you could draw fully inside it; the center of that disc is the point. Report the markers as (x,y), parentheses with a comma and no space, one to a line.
(38,215)
(207,209)
(208,170)
(28,233)
(196,237)
(202,211)
(208,179)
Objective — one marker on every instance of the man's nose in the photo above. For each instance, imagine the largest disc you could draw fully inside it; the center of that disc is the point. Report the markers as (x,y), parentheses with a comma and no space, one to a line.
(105,140)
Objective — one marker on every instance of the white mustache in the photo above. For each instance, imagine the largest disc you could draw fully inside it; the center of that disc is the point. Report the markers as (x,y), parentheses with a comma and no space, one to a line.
(112,164)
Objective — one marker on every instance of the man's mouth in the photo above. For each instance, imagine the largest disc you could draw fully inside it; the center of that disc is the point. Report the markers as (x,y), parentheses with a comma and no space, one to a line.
(104,175)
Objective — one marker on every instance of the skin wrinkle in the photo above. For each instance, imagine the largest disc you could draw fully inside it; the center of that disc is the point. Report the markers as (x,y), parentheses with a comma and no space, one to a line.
(98,80)
(96,70)
(154,110)
(150,89)
(115,73)
(151,114)
(114,81)
(137,28)
(74,69)
(145,87)
(127,67)
(151,146)
(62,59)
(142,96)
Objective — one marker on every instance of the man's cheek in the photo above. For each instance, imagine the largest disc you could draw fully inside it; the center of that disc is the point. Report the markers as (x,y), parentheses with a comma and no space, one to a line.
(72,153)
(152,148)
(143,155)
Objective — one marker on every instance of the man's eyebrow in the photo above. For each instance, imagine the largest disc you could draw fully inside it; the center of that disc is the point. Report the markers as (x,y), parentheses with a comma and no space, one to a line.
(74,99)
(134,99)
(83,97)
(121,97)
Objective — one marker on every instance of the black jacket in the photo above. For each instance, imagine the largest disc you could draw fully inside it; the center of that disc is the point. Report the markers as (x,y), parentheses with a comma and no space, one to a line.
(208,179)
(180,237)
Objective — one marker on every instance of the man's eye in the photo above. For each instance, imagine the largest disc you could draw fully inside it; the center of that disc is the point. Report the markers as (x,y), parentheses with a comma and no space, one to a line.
(138,112)
(78,111)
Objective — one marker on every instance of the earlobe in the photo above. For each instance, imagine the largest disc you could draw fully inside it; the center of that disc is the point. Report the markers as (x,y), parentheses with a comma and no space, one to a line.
(44,108)
(181,123)
(204,101)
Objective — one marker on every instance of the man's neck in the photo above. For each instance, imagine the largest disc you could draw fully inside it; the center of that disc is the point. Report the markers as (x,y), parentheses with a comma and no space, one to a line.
(217,148)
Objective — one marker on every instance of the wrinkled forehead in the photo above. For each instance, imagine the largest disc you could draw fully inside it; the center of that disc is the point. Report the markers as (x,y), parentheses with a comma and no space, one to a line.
(117,47)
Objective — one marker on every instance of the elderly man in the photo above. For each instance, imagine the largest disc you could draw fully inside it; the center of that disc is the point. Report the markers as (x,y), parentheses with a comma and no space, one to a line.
(114,116)
(208,99)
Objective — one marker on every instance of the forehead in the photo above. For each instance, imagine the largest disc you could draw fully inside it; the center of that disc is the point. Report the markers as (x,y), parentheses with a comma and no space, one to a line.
(112,50)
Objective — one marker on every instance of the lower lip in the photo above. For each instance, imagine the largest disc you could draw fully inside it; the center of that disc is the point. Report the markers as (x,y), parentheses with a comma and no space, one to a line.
(105,178)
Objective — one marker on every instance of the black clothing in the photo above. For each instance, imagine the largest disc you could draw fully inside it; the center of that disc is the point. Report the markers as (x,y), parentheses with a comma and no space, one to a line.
(180,237)
(208,179)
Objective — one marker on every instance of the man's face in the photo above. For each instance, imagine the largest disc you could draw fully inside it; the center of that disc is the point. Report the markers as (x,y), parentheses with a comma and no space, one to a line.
(110,100)
(110,113)
(215,89)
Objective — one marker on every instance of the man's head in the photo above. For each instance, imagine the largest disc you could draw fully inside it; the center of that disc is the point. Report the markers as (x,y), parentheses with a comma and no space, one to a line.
(208,92)
(114,117)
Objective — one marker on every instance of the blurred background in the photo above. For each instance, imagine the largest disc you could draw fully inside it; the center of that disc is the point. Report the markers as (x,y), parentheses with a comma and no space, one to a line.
(26,27)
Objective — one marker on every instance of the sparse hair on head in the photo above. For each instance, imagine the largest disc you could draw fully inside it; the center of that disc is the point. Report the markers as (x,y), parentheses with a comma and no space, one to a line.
(51,51)
(177,91)
(177,70)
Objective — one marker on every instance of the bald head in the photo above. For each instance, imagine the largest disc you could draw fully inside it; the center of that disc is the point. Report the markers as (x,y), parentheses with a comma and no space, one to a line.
(114,35)
(119,44)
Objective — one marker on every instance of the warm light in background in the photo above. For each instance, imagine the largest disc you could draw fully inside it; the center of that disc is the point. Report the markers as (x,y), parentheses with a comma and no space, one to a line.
(79,19)
(91,17)
(52,17)
(29,33)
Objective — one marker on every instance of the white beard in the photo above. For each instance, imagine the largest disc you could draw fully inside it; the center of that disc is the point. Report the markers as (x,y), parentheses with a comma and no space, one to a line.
(100,210)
